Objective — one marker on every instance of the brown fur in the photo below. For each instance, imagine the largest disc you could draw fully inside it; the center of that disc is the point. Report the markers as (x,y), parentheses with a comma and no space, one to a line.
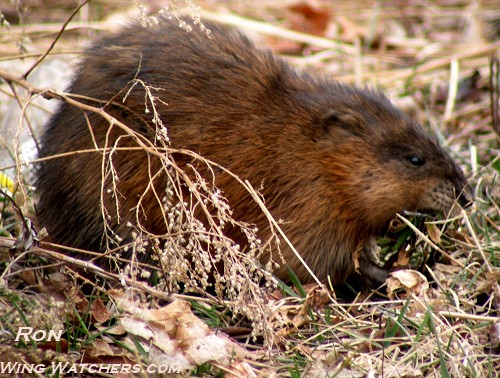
(333,160)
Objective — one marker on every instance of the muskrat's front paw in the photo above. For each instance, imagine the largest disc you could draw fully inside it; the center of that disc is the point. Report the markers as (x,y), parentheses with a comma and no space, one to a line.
(372,276)
(372,251)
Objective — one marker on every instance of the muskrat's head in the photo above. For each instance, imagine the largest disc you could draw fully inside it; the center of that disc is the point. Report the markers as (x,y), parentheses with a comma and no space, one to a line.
(384,163)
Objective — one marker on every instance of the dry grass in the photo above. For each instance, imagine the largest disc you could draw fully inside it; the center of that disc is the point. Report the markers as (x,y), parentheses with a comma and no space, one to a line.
(437,62)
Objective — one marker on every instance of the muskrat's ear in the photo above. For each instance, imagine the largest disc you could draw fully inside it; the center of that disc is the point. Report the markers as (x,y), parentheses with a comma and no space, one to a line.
(348,120)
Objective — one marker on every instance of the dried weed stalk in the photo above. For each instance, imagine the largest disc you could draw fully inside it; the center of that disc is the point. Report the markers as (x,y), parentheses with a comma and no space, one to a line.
(193,255)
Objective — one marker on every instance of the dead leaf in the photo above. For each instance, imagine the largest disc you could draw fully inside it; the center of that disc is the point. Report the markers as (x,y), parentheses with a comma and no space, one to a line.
(116,330)
(282,323)
(240,370)
(403,260)
(78,300)
(329,364)
(310,19)
(174,335)
(302,317)
(99,311)
(29,277)
(101,348)
(406,280)
(434,232)
(319,297)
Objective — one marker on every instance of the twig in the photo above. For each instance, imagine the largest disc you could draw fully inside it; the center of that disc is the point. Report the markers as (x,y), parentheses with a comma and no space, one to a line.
(266,28)
(428,241)
(27,73)
(494,95)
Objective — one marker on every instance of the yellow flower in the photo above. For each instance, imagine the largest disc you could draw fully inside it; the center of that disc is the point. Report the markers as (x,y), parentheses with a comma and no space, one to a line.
(7,183)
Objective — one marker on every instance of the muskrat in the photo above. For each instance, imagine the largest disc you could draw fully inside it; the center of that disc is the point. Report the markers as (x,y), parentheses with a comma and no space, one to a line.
(334,162)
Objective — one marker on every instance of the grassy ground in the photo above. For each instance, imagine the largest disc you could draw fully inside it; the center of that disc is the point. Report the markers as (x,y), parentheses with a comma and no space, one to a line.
(438,61)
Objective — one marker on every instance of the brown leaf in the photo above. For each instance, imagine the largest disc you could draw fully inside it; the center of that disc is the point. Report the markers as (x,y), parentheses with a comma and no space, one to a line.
(319,297)
(100,348)
(174,335)
(28,277)
(434,232)
(116,330)
(302,317)
(403,260)
(239,370)
(79,300)
(310,19)
(99,311)
(406,280)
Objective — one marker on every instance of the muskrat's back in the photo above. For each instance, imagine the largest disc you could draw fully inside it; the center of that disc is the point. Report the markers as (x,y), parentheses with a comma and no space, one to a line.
(336,163)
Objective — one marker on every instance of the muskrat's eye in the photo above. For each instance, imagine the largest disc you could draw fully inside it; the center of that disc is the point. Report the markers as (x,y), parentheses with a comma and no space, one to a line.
(416,160)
